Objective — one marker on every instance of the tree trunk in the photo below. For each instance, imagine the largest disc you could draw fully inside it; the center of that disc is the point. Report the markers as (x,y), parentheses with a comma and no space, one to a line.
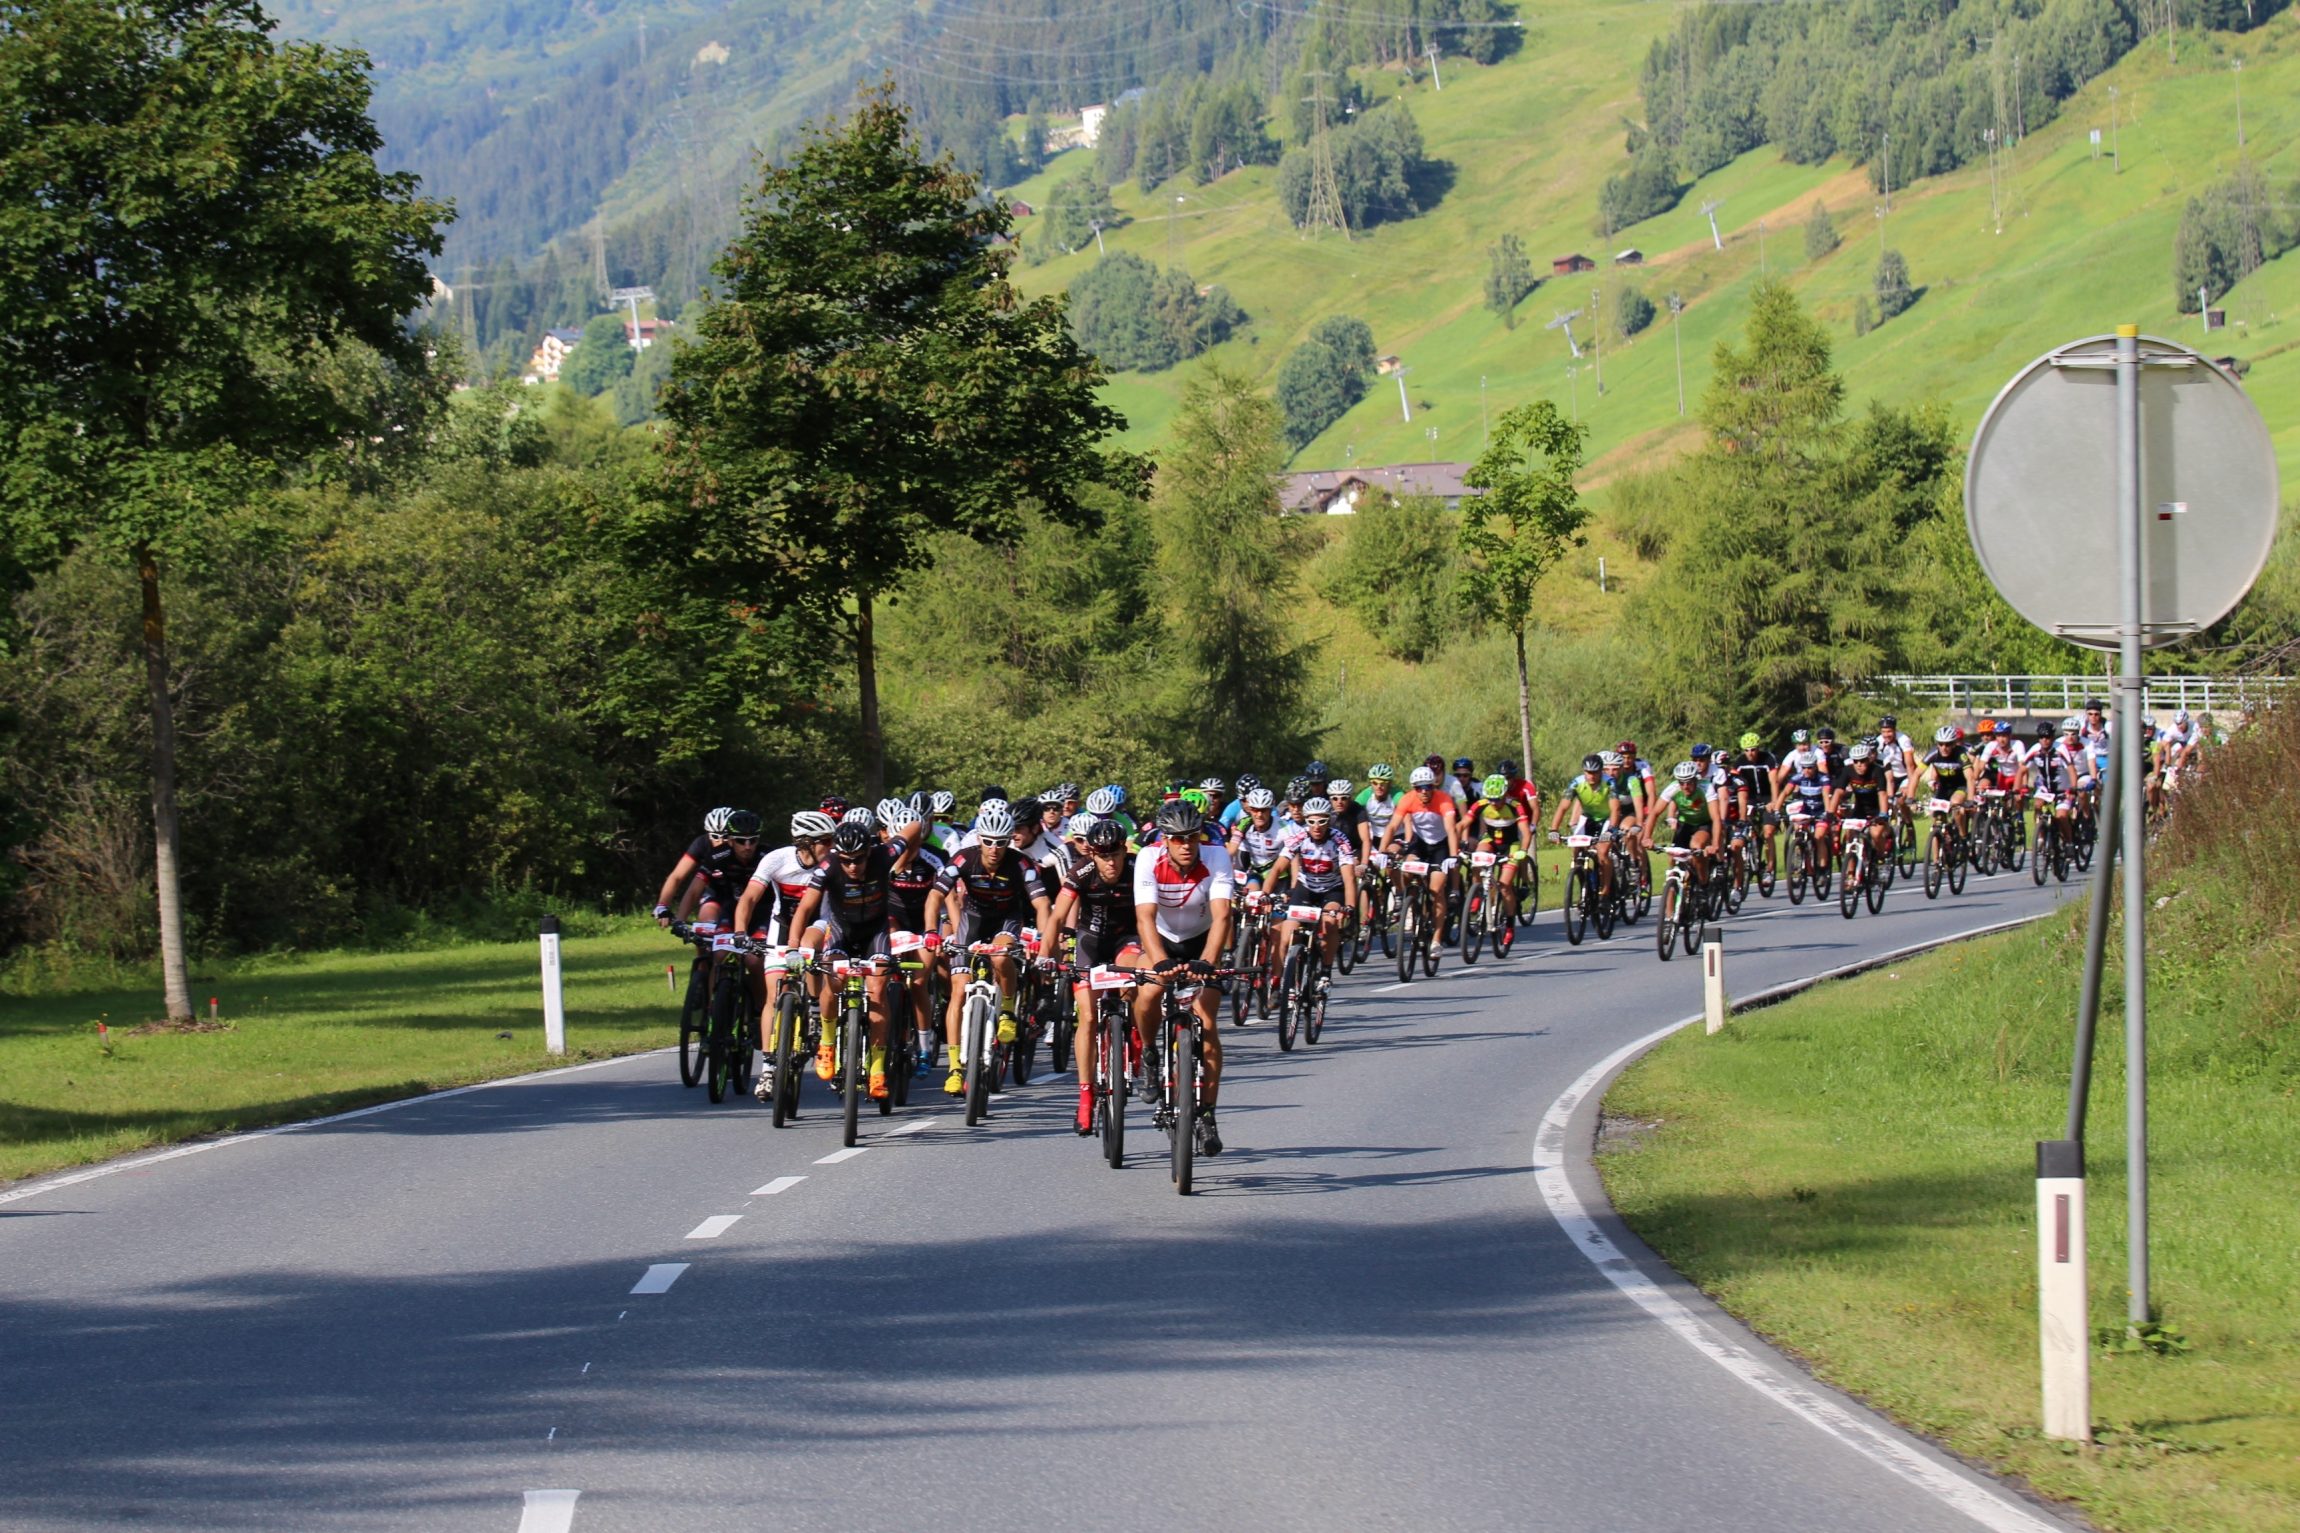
(866,686)
(1524,712)
(175,976)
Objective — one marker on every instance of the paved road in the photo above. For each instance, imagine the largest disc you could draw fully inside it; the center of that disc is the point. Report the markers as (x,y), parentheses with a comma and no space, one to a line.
(1366,1319)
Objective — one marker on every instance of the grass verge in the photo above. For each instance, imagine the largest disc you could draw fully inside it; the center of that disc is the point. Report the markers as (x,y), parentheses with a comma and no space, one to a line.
(1850,1173)
(309,1036)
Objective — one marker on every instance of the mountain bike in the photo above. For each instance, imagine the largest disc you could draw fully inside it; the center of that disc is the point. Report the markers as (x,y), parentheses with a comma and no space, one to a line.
(1374,892)
(1632,883)
(1584,904)
(1114,1046)
(1905,838)
(1685,903)
(1808,865)
(2052,852)
(850,1040)
(1036,994)
(798,1031)
(729,1026)
(1492,910)
(1176,1065)
(1946,854)
(1418,920)
(1250,953)
(1863,880)
(695,1007)
(981,1057)
(1346,949)
(1302,984)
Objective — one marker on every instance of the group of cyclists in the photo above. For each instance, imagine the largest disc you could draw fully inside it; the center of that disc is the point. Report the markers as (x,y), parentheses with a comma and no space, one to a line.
(1069,882)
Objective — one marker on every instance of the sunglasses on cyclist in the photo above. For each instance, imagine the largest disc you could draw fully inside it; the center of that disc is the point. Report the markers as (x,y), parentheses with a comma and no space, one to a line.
(998,841)
(744,840)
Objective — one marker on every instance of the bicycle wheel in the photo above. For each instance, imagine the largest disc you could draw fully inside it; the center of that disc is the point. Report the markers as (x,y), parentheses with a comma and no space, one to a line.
(1473,919)
(1362,928)
(1059,1039)
(787,1056)
(1695,910)
(1409,930)
(1665,929)
(1959,863)
(853,1083)
(1767,875)
(897,1027)
(1985,846)
(1314,1008)
(2060,856)
(2040,864)
(719,1047)
(1936,851)
(1575,910)
(1022,1054)
(1737,881)
(1182,1070)
(1823,870)
(1797,878)
(1849,888)
(977,1020)
(1115,1023)
(1429,939)
(1249,938)
(1290,1000)
(1641,886)
(1905,844)
(1346,950)
(1608,911)
(694,1014)
(1876,878)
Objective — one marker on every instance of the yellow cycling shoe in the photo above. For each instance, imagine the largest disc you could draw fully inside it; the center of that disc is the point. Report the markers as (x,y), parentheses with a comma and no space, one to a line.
(877,1059)
(955,1085)
(1006,1027)
(827,1061)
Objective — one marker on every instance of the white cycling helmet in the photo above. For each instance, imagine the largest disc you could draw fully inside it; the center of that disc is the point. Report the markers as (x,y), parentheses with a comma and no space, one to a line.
(1102,801)
(993,820)
(1339,788)
(1261,798)
(897,816)
(1860,753)
(858,815)
(1318,809)
(1079,825)
(2182,719)
(1687,771)
(1947,734)
(943,802)
(1612,760)
(811,825)
(715,823)
(1423,778)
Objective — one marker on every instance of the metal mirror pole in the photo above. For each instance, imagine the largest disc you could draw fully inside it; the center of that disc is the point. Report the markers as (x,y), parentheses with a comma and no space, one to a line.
(2130,724)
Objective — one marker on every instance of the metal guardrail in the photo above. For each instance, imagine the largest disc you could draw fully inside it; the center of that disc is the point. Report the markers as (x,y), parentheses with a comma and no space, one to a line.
(2067,694)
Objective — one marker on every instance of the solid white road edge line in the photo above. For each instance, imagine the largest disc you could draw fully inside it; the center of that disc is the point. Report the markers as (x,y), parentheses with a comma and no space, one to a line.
(779,1184)
(113,1168)
(713,1227)
(1759,1373)
(548,1511)
(659,1277)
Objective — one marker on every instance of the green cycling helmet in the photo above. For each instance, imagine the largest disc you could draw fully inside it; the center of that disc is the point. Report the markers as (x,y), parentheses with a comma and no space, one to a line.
(1751,740)
(1196,796)
(1494,787)
(1380,771)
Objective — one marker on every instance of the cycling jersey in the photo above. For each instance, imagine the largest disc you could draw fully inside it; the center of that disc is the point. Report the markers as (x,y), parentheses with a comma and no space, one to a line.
(2057,770)
(1379,811)
(1496,814)
(1184,901)
(1864,792)
(1427,812)
(1895,754)
(1348,816)
(787,880)
(1260,849)
(1811,787)
(1005,891)
(910,879)
(856,904)
(1950,766)
(2003,762)
(1629,787)
(1102,907)
(1595,798)
(723,868)
(1692,803)
(1756,777)
(1317,865)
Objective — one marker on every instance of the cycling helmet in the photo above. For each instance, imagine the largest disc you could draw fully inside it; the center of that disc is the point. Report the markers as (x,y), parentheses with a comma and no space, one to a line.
(1593,762)
(1065,792)
(715,823)
(2044,729)
(1799,736)
(1261,798)
(1102,801)
(1424,777)
(944,802)
(1686,771)
(1859,753)
(1750,740)
(1612,761)
(1494,786)
(743,825)
(1118,794)
(1196,796)
(1888,722)
(1318,809)
(897,816)
(1339,788)
(995,821)
(811,825)
(2095,705)
(1947,734)
(852,836)
(1025,811)
(1826,735)
(1103,835)
(1434,762)
(1247,783)
(2004,726)
(2183,719)
(1297,790)
(1701,752)
(860,816)
(1380,771)
(1180,819)
(1506,767)
(1317,771)
(1214,788)
(833,805)
(2071,726)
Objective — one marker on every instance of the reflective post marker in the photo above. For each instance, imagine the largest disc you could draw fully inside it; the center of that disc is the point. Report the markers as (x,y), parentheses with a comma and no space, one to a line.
(2064,1332)
(554,1006)
(1713,984)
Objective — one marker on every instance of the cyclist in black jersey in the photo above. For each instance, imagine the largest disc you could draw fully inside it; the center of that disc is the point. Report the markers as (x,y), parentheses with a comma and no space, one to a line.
(853,892)
(994,890)
(714,868)
(1950,770)
(1863,793)
(1097,901)
(1753,789)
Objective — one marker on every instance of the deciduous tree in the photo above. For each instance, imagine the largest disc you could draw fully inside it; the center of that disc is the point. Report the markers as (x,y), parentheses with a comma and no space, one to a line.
(1528,516)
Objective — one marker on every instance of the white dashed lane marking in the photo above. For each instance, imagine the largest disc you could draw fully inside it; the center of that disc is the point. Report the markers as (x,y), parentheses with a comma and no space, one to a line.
(779,1184)
(713,1227)
(658,1279)
(836,1156)
(911,1127)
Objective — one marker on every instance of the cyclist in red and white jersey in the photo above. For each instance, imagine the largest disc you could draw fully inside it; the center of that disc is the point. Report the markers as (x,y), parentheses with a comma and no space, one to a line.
(1324,869)
(1183,890)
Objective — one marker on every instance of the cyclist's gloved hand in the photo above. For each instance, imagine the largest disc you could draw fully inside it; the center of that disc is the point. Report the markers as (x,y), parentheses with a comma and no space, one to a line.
(1166,965)
(933,941)
(662,915)
(1200,967)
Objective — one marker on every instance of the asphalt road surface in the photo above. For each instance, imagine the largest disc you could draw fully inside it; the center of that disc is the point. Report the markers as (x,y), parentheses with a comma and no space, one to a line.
(1367,1317)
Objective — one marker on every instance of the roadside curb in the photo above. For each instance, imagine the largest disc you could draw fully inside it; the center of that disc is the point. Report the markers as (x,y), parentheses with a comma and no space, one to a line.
(1566,1173)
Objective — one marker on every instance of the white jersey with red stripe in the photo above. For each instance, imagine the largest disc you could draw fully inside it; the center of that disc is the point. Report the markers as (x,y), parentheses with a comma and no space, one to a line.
(1184,900)
(1318,864)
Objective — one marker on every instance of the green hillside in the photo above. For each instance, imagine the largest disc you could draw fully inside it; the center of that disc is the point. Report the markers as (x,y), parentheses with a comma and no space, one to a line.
(1530,139)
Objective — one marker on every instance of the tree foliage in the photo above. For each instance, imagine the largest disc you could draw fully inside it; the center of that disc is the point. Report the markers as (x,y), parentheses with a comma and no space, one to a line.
(1508,277)
(1820,232)
(1632,311)
(1135,316)
(1648,187)
(868,378)
(1325,375)
(1226,562)
(2229,230)
(1378,163)
(1511,535)
(1074,209)
(1397,566)
(1892,285)
(602,359)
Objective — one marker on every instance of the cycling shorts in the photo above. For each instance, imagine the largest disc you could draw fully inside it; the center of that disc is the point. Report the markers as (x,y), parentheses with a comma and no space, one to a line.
(1297,894)
(1685,832)
(1432,852)
(1591,825)
(1499,838)
(1098,948)
(979,925)
(865,941)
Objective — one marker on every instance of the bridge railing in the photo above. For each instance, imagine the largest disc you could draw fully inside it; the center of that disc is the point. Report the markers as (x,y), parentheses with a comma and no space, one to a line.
(2067,694)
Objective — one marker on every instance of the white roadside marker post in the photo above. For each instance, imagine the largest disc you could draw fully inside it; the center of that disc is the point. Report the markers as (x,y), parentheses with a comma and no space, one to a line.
(2064,1329)
(554,1004)
(1713,984)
